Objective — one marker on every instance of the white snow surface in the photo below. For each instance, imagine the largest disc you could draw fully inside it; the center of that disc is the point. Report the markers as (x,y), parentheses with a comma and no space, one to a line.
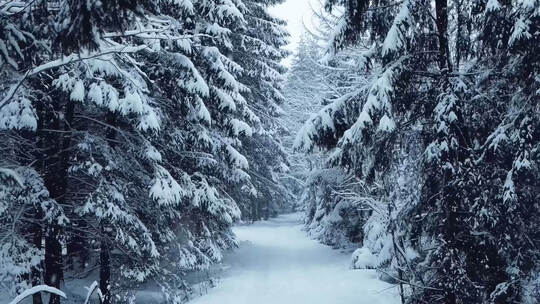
(276,262)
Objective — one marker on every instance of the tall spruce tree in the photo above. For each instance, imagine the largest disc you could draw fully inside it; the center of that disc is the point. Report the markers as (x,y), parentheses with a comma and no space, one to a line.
(127,122)
(453,79)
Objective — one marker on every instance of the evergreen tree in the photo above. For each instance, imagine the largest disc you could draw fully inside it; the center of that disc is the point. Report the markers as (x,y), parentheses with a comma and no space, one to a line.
(127,122)
(260,54)
(444,84)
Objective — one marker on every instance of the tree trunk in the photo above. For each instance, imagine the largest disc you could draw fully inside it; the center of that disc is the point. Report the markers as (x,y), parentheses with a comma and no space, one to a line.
(55,174)
(52,177)
(77,246)
(104,252)
(395,247)
(105,272)
(53,261)
(441,10)
(33,230)
(37,238)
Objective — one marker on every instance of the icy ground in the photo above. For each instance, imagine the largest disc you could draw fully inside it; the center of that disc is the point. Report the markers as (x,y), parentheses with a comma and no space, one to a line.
(277,263)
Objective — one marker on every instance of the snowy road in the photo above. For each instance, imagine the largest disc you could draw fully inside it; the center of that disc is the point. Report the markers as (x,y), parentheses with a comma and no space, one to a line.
(278,264)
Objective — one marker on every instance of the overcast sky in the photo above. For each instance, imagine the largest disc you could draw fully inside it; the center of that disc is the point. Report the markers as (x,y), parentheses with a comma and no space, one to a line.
(296,13)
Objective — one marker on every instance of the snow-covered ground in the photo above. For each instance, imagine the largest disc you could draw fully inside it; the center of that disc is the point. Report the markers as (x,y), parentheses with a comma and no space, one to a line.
(277,263)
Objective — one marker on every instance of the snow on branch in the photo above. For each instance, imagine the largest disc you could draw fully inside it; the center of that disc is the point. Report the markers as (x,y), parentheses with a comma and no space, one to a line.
(76,57)
(394,40)
(91,289)
(11,174)
(36,289)
(237,158)
(12,7)
(159,34)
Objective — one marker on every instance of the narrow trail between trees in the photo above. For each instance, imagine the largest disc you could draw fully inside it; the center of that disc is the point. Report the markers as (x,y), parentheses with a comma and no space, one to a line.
(278,263)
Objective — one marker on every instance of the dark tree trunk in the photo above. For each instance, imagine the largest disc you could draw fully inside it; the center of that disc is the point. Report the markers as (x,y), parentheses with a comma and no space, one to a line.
(395,246)
(104,253)
(55,166)
(441,10)
(105,272)
(52,178)
(77,246)
(76,243)
(53,261)
(255,211)
(33,230)
(459,34)
(37,238)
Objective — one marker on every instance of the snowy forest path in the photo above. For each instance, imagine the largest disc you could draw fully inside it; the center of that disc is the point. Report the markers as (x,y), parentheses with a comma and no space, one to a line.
(278,263)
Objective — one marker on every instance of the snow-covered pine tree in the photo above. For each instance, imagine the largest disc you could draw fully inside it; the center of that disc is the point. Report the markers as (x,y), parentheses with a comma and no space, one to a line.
(335,215)
(26,40)
(189,164)
(138,108)
(304,89)
(332,215)
(197,90)
(260,53)
(506,142)
(436,81)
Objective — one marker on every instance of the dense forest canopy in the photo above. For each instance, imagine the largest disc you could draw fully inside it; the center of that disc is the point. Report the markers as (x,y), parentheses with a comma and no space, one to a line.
(135,133)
